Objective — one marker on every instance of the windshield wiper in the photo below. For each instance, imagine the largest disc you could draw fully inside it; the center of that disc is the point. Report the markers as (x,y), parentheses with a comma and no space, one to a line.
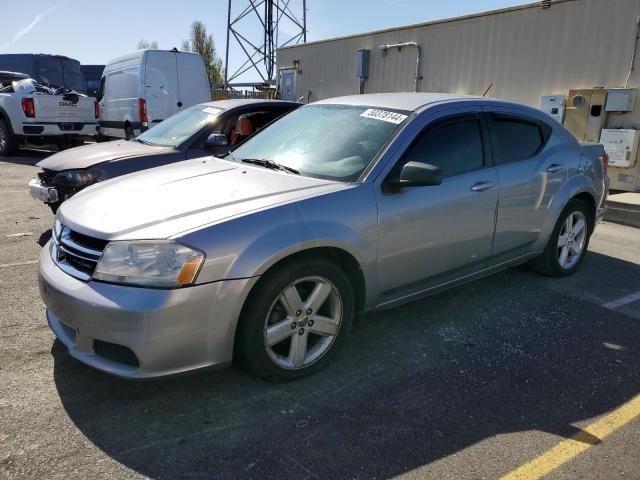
(270,164)
(144,142)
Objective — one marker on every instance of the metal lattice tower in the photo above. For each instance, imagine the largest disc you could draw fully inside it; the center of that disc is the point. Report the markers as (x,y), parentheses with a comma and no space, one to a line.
(260,27)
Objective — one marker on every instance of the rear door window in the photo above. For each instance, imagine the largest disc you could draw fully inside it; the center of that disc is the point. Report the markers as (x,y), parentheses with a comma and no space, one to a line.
(454,146)
(516,138)
(100,92)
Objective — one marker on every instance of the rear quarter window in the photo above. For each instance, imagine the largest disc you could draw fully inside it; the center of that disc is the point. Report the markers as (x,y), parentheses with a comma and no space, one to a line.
(517,138)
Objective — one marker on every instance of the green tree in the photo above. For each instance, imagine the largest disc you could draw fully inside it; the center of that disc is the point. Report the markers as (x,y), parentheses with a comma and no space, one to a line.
(203,44)
(144,45)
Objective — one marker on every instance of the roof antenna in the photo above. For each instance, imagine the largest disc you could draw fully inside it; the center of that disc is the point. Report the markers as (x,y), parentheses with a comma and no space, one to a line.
(487,90)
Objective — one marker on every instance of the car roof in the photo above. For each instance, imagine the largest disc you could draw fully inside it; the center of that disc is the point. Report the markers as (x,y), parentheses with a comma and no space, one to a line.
(241,102)
(399,101)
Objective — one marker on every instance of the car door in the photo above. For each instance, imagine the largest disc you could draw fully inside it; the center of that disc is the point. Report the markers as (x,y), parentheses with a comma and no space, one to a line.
(530,174)
(430,233)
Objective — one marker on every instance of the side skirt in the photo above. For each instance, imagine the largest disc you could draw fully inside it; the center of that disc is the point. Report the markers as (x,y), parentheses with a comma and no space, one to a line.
(456,281)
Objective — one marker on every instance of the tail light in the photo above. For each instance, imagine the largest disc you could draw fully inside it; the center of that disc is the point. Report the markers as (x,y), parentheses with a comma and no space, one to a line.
(97,109)
(142,111)
(605,161)
(28,107)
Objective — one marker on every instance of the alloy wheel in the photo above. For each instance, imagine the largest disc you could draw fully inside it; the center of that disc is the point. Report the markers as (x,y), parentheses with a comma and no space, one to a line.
(303,322)
(572,239)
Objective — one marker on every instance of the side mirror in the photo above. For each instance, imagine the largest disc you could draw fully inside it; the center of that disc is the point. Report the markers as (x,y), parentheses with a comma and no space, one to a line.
(418,174)
(216,140)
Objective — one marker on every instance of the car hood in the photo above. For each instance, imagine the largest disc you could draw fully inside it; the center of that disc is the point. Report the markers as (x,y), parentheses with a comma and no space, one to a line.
(167,201)
(89,155)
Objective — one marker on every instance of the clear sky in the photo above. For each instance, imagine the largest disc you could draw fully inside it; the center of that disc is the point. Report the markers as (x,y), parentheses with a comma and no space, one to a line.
(94,32)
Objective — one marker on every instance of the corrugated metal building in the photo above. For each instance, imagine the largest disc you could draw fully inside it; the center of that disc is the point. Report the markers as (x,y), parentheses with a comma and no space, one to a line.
(523,52)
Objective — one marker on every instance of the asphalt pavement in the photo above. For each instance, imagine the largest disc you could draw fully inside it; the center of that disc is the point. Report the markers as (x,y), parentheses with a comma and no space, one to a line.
(505,375)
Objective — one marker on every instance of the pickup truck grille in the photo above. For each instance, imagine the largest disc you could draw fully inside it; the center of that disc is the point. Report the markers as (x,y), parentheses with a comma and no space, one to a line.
(77,254)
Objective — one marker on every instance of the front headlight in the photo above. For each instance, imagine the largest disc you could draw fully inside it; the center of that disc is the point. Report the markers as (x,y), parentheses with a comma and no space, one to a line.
(159,264)
(76,178)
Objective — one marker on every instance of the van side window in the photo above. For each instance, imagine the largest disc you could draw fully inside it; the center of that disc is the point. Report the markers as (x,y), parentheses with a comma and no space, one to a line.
(123,84)
(454,146)
(517,138)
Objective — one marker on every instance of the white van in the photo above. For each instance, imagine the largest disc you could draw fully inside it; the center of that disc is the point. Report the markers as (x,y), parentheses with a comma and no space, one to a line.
(143,88)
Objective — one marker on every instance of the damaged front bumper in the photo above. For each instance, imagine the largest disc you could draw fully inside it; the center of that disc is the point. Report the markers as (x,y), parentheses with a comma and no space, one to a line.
(43,192)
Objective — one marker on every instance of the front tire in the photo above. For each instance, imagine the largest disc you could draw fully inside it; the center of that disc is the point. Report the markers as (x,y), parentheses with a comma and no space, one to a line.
(54,207)
(298,318)
(569,241)
(128,132)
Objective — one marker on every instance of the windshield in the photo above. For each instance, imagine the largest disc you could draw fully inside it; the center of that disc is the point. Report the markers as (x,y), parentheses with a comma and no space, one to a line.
(177,128)
(334,142)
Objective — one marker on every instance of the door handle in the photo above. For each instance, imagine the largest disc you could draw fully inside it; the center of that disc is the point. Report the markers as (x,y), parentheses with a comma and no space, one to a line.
(179,104)
(481,186)
(555,167)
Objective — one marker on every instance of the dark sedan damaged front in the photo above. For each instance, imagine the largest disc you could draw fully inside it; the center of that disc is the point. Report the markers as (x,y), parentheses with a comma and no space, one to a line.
(53,187)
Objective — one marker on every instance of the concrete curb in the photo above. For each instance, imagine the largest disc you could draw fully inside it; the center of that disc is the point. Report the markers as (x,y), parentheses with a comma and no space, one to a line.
(624,209)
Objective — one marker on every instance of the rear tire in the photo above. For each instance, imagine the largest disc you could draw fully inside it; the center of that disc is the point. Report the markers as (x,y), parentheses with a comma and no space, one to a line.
(568,242)
(296,320)
(7,140)
(128,132)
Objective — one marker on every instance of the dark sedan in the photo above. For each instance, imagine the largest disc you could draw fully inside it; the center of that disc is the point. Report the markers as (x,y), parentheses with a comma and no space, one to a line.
(212,128)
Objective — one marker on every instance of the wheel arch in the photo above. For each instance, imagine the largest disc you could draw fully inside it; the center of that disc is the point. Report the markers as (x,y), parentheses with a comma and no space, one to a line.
(341,257)
(5,117)
(578,187)
(345,260)
(590,201)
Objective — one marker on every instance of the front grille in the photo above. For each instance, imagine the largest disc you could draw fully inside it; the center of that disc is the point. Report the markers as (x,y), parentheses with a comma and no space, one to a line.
(86,241)
(116,353)
(77,254)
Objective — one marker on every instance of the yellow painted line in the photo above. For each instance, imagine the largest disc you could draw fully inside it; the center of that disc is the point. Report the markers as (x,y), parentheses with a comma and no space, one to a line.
(18,264)
(574,446)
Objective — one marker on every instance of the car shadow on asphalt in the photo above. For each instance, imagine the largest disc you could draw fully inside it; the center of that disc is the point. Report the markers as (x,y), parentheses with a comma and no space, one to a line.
(26,157)
(509,353)
(44,238)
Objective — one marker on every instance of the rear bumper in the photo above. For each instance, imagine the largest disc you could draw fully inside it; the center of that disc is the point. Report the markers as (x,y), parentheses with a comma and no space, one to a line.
(42,192)
(52,129)
(168,331)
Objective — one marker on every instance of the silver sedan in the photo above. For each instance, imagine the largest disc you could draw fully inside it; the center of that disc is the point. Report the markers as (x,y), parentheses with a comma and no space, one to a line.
(341,207)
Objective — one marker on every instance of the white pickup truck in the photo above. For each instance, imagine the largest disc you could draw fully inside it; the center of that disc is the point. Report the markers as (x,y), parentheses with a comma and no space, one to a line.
(38,114)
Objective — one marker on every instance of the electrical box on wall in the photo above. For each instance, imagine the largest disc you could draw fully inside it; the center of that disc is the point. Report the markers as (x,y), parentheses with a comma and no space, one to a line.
(620,99)
(621,145)
(362,63)
(553,105)
(585,113)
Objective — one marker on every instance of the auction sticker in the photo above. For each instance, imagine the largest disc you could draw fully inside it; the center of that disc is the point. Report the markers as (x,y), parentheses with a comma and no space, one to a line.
(211,110)
(384,115)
